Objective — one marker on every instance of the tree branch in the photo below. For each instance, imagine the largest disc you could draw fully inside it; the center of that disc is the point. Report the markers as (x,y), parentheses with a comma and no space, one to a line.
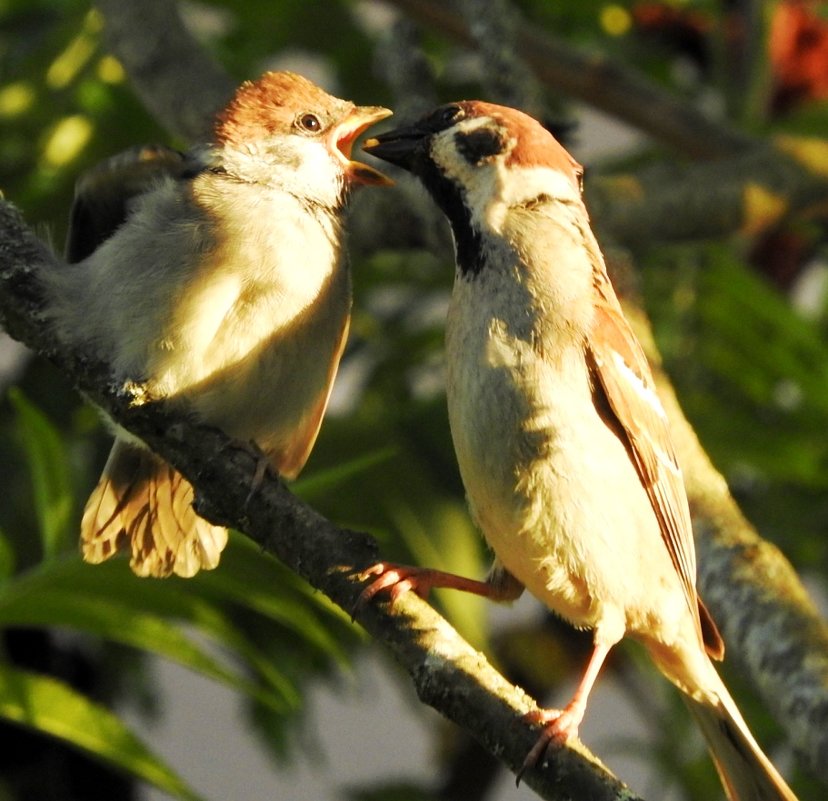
(447,673)
(771,626)
(600,82)
(745,194)
(180,84)
(507,79)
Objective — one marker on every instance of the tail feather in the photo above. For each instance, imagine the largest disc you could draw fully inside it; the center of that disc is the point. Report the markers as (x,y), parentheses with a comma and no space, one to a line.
(143,505)
(746,773)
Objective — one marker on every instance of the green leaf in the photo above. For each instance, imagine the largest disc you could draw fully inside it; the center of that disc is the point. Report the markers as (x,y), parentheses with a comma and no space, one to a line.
(50,472)
(751,372)
(48,706)
(259,583)
(324,480)
(7,558)
(108,601)
(455,548)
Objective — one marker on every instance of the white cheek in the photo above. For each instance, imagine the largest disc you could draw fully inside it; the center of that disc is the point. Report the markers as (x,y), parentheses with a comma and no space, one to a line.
(480,182)
(527,183)
(508,187)
(300,165)
(318,168)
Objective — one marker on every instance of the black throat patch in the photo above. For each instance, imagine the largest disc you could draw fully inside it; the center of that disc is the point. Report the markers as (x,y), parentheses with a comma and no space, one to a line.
(452,201)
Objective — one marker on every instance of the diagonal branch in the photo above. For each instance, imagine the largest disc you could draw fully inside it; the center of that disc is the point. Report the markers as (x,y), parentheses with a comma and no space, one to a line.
(773,629)
(181,85)
(600,82)
(746,194)
(447,673)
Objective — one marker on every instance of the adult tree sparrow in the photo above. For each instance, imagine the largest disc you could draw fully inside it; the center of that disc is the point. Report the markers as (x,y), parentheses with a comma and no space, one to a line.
(562,442)
(216,281)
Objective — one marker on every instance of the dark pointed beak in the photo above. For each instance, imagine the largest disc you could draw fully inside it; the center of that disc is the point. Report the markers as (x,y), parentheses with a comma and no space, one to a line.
(398,146)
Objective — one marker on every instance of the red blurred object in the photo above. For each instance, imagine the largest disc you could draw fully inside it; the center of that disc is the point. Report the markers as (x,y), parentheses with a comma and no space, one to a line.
(797,49)
(798,45)
(780,254)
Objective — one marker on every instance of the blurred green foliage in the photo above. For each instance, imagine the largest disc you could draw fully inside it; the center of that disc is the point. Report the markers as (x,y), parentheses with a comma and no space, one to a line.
(752,376)
(750,369)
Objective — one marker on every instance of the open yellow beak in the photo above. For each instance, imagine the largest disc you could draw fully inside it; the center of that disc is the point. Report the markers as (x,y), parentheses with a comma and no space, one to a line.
(346,133)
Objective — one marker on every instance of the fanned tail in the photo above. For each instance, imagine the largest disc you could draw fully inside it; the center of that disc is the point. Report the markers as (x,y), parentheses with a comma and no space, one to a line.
(143,505)
(746,773)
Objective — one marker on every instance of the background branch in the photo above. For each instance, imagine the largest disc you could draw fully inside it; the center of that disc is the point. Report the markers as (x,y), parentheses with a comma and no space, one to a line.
(600,82)
(771,626)
(508,80)
(745,193)
(177,80)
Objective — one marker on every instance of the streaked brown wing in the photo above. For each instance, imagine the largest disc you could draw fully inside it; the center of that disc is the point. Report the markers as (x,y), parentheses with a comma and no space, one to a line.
(620,367)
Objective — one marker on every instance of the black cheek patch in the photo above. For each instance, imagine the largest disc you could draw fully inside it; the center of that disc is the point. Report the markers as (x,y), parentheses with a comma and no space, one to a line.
(480,144)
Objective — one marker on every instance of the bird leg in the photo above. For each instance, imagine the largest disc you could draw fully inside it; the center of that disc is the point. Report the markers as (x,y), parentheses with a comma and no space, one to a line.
(560,725)
(399,579)
(402,578)
(263,462)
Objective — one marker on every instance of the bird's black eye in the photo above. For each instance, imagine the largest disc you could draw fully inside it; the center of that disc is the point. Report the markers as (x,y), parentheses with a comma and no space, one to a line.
(451,113)
(446,117)
(309,122)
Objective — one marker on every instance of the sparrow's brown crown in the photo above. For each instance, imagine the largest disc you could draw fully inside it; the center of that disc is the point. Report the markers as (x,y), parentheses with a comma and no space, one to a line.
(271,104)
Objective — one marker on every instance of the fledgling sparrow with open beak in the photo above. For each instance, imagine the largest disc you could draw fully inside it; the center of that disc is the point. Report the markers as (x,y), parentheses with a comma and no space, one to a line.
(562,442)
(216,281)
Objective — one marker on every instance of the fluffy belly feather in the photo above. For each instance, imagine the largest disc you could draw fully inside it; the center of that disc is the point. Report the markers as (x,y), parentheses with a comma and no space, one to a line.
(550,490)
